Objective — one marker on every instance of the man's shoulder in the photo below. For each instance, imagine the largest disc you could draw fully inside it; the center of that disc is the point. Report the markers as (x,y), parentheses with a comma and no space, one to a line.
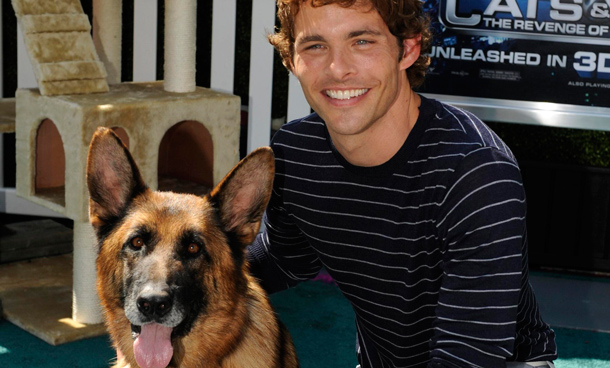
(453,121)
(456,129)
(301,130)
(311,122)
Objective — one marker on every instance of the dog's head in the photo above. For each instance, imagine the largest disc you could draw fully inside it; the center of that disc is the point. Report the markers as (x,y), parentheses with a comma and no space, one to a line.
(166,259)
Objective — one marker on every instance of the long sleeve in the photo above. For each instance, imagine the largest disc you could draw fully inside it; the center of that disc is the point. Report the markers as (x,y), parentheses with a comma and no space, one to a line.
(482,228)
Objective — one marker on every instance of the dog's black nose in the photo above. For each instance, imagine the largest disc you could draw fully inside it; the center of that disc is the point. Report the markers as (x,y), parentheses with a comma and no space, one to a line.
(154,304)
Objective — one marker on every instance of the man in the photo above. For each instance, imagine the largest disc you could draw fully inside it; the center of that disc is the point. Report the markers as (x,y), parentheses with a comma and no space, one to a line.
(414,207)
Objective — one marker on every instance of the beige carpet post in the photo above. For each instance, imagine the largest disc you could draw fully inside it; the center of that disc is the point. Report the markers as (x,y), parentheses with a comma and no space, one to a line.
(85,302)
(180,45)
(107,33)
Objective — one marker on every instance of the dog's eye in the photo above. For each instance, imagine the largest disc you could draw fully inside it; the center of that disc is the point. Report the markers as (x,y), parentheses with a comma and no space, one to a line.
(193,248)
(137,243)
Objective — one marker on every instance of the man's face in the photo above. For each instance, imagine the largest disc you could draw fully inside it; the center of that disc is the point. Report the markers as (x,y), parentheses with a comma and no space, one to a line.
(347,62)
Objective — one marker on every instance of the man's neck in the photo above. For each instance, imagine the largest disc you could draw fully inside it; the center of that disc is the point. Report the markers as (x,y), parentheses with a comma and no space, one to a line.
(383,140)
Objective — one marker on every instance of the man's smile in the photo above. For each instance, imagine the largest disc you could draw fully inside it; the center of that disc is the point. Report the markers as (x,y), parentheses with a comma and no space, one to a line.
(345,94)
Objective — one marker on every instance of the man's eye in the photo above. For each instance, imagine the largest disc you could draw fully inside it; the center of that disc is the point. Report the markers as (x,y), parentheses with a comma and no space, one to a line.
(313,47)
(362,42)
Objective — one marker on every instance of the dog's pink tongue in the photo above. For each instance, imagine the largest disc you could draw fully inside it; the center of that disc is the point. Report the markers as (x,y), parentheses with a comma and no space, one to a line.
(153,348)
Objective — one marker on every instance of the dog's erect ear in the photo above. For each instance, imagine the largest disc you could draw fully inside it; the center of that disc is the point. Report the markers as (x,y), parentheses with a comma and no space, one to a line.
(113,178)
(242,196)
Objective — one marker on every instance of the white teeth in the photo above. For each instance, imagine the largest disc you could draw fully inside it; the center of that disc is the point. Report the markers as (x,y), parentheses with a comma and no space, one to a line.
(345,95)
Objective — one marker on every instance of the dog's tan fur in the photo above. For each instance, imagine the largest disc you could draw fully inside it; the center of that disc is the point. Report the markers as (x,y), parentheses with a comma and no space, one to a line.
(234,325)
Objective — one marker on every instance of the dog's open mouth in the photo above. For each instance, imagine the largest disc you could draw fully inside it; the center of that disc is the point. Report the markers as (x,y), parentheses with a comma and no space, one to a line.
(152,346)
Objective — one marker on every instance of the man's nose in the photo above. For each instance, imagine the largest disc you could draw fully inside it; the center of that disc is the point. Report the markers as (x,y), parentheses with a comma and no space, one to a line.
(341,64)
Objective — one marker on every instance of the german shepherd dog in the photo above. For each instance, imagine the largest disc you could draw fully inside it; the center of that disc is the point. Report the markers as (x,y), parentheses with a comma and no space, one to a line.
(171,268)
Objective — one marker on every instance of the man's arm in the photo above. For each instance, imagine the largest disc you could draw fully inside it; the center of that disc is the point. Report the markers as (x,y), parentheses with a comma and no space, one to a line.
(482,226)
(281,256)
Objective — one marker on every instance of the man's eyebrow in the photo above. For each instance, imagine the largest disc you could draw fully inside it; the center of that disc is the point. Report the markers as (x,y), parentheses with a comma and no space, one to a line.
(367,32)
(310,38)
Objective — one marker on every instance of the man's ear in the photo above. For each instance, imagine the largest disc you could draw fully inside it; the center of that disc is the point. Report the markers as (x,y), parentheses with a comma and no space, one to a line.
(242,196)
(290,65)
(411,50)
(113,178)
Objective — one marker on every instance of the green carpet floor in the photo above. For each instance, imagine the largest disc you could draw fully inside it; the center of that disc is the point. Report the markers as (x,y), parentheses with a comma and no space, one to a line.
(320,320)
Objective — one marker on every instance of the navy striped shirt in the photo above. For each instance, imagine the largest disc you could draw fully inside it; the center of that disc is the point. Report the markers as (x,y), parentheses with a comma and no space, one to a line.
(430,248)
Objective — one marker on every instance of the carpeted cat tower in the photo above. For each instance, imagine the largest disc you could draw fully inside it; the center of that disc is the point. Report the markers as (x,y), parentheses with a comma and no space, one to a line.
(183,137)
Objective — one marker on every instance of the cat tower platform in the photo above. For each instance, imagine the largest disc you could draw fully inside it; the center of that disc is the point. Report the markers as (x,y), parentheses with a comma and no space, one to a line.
(201,126)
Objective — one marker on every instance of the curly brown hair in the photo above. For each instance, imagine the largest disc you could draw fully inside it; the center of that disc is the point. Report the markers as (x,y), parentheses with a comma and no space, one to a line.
(405,19)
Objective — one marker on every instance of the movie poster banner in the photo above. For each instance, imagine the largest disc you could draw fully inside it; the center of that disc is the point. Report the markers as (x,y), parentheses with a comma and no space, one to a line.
(529,50)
